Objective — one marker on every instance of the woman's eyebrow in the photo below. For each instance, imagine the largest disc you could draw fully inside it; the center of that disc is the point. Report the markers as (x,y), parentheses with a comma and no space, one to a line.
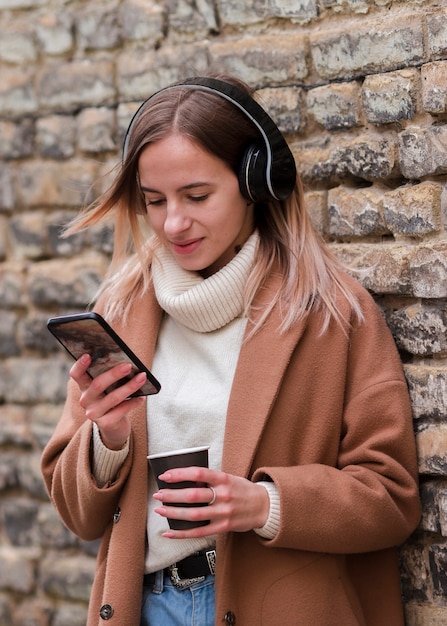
(183,188)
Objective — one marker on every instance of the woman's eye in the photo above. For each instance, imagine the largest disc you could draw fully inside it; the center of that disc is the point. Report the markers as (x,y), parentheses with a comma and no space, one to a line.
(201,198)
(154,202)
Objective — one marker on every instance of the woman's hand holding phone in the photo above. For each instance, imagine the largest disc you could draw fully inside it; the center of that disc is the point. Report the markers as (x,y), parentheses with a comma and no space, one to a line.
(109,411)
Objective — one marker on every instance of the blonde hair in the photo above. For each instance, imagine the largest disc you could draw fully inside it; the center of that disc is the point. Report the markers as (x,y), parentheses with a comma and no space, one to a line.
(310,276)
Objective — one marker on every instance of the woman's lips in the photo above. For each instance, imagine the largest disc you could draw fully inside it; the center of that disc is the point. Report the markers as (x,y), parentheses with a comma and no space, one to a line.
(185,247)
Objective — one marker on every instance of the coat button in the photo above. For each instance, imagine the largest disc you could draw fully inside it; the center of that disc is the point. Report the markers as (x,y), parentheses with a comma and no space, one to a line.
(117,515)
(230,618)
(106,611)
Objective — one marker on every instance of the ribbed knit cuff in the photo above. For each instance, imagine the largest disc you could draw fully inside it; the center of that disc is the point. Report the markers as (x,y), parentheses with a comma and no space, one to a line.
(271,527)
(106,462)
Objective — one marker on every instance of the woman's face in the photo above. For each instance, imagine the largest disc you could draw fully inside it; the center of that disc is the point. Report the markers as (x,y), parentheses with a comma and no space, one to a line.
(194,203)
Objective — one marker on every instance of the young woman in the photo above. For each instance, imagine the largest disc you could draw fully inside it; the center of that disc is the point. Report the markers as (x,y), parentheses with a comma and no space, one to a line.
(267,352)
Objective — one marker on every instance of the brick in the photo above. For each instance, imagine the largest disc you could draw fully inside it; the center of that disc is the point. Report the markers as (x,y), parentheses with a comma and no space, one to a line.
(378,46)
(428,389)
(390,97)
(414,210)
(335,106)
(434,89)
(437,33)
(420,329)
(70,85)
(355,212)
(428,271)
(260,62)
(423,151)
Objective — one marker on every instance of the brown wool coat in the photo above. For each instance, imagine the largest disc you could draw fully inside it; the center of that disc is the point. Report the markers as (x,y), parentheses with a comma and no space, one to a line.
(328,419)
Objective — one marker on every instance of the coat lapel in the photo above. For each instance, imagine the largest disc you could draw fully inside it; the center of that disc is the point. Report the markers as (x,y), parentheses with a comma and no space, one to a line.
(261,366)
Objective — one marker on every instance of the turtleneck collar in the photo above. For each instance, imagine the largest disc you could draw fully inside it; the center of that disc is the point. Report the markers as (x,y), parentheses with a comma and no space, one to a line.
(203,304)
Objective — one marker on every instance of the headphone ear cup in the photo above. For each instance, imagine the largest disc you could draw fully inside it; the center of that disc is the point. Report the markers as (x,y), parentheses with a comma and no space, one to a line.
(252,174)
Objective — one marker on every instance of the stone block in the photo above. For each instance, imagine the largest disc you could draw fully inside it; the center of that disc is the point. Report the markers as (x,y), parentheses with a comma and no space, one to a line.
(16,139)
(8,340)
(420,329)
(259,61)
(390,97)
(71,284)
(56,184)
(28,236)
(30,475)
(335,106)
(381,269)
(300,11)
(19,520)
(34,335)
(240,13)
(17,91)
(425,615)
(59,245)
(56,136)
(79,83)
(423,151)
(18,571)
(54,32)
(43,420)
(428,390)
(431,444)
(30,380)
(96,129)
(14,426)
(428,271)
(17,44)
(33,612)
(70,615)
(316,204)
(8,472)
(142,20)
(7,192)
(414,210)
(12,285)
(98,27)
(355,212)
(437,33)
(68,577)
(415,572)
(286,106)
(141,71)
(191,21)
(376,46)
(434,89)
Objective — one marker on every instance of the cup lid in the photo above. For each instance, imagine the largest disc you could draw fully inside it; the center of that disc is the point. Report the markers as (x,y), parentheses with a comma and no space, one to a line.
(180,451)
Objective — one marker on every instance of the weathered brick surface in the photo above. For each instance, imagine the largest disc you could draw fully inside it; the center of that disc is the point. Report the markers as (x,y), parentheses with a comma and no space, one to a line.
(358,87)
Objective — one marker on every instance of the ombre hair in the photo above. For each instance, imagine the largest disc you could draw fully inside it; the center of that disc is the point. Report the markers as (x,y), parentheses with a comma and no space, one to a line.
(310,275)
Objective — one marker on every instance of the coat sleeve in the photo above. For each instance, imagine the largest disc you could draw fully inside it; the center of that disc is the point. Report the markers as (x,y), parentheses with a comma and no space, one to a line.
(368,499)
(84,508)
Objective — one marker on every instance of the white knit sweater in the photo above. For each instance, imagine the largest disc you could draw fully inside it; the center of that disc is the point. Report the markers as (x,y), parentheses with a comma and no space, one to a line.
(195,359)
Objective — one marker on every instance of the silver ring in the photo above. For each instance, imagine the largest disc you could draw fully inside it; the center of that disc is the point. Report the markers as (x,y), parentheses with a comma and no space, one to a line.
(213,499)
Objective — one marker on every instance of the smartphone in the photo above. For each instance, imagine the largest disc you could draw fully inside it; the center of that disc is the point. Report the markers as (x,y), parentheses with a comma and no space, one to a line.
(89,333)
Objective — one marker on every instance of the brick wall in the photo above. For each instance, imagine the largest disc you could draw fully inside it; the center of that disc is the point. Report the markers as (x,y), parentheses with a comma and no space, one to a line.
(360,89)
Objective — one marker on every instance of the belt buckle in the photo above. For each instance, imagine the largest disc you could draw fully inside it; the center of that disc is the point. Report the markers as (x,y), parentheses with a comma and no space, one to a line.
(182,583)
(211,558)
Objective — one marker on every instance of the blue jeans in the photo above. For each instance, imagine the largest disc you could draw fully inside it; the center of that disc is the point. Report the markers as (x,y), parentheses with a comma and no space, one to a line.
(165,604)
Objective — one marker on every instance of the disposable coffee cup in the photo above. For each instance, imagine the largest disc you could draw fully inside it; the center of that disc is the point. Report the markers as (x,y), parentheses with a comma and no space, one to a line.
(186,457)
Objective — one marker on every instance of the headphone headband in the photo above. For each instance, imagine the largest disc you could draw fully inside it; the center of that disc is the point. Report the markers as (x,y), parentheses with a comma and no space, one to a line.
(273,160)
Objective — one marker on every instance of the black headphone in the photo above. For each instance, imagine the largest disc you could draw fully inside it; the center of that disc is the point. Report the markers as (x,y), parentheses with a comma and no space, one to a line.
(268,168)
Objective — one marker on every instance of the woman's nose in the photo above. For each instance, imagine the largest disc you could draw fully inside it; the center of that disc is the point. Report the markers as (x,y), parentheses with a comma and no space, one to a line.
(177,219)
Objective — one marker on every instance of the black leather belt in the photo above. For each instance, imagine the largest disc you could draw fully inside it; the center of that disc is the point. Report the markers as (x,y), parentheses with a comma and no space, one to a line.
(186,572)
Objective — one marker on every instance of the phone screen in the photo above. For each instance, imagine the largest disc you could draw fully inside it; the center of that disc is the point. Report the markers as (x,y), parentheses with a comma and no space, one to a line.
(89,333)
